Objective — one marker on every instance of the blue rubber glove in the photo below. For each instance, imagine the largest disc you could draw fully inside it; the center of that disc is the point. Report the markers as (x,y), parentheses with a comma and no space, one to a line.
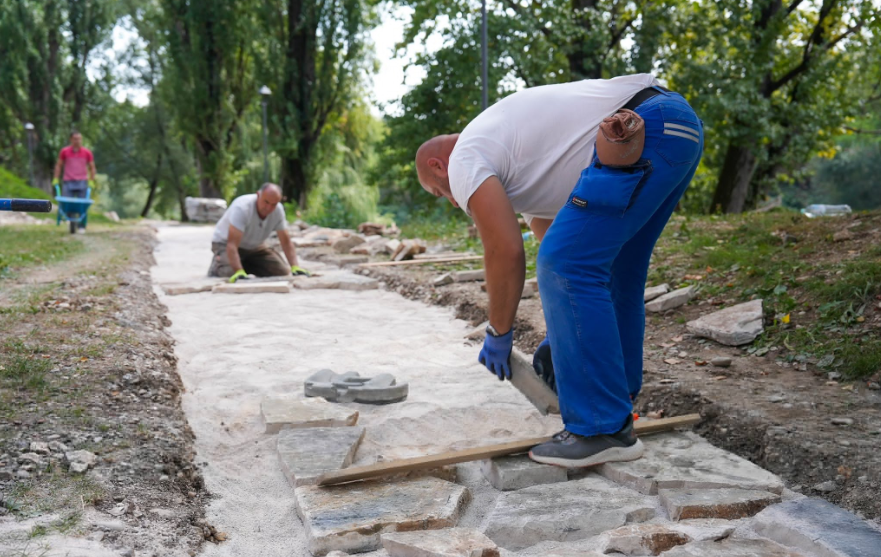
(496,354)
(544,365)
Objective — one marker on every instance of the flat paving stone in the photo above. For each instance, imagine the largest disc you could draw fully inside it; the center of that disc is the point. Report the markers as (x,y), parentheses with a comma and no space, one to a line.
(179,289)
(684,460)
(469,276)
(643,539)
(733,548)
(453,542)
(819,528)
(285,412)
(346,260)
(508,473)
(246,287)
(732,326)
(726,503)
(655,292)
(568,511)
(307,453)
(345,281)
(353,517)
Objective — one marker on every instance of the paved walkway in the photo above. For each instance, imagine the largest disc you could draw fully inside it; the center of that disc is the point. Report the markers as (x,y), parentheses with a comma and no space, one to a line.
(686,498)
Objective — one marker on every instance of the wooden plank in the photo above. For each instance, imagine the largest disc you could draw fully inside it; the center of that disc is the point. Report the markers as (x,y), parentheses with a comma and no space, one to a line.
(642,427)
(422,261)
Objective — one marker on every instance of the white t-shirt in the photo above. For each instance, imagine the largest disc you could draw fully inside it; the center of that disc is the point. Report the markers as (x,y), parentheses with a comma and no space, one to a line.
(242,214)
(537,141)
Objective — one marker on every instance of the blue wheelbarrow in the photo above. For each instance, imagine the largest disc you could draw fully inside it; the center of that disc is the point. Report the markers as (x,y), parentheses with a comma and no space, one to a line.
(74,210)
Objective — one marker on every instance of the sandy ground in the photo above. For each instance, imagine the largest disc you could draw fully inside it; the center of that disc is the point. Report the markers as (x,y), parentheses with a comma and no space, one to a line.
(236,349)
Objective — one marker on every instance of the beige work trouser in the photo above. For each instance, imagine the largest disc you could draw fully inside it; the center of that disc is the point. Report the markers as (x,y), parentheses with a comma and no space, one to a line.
(261,261)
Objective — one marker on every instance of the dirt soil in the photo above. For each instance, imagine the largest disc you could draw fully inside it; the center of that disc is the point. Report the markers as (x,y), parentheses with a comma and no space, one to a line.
(101,376)
(774,413)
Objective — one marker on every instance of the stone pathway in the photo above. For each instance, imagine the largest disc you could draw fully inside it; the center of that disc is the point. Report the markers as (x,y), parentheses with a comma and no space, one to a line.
(685,498)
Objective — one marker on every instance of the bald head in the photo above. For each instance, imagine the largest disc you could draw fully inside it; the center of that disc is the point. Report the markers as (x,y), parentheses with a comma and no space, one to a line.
(268,197)
(432,161)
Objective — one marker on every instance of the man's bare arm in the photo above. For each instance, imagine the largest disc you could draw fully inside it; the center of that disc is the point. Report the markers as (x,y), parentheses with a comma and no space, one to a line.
(232,248)
(57,173)
(288,247)
(504,258)
(92,170)
(540,227)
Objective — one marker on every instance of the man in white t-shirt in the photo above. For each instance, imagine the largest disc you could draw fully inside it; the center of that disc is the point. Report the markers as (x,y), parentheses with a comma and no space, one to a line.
(239,236)
(598,220)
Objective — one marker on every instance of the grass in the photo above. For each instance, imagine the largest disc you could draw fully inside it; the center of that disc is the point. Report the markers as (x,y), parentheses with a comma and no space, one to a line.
(25,246)
(13,186)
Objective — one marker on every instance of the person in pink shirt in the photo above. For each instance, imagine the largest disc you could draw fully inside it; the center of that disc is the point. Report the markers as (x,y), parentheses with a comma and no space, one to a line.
(79,168)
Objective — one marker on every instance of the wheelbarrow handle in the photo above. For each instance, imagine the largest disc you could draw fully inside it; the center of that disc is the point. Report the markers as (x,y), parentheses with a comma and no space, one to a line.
(26,205)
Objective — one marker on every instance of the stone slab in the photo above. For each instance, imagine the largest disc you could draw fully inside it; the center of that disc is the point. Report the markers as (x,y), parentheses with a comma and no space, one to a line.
(247,287)
(733,326)
(351,387)
(671,300)
(643,539)
(726,503)
(345,244)
(508,473)
(525,380)
(452,542)
(353,517)
(340,281)
(733,548)
(180,289)
(285,412)
(818,528)
(444,279)
(469,276)
(307,453)
(655,292)
(684,460)
(563,512)
(346,260)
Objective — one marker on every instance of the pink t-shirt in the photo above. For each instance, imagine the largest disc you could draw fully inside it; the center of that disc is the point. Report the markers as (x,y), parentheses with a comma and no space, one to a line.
(76,163)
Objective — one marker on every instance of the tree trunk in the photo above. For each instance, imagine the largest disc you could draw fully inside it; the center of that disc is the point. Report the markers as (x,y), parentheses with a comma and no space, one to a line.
(207,186)
(294,181)
(734,179)
(154,183)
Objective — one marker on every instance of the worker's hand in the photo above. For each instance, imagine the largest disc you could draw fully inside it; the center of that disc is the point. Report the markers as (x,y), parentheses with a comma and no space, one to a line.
(543,365)
(55,181)
(496,354)
(299,271)
(92,184)
(237,275)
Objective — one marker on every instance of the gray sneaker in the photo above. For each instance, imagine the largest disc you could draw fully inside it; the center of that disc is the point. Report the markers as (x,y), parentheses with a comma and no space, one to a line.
(576,451)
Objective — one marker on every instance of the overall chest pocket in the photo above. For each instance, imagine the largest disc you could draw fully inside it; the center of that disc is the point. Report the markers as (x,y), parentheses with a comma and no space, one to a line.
(610,190)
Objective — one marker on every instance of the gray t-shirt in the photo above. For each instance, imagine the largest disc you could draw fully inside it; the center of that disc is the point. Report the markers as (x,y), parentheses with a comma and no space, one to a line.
(243,215)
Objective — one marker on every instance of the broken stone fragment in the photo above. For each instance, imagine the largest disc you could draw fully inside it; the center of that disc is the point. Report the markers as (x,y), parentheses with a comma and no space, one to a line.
(353,517)
(671,300)
(642,539)
(351,387)
(507,473)
(40,447)
(179,289)
(344,245)
(246,287)
(469,276)
(721,361)
(733,326)
(727,503)
(80,461)
(346,260)
(407,249)
(286,412)
(444,279)
(391,247)
(452,542)
(307,453)
(655,292)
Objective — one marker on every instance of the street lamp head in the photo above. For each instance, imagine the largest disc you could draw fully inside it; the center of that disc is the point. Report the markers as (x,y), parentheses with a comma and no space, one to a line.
(265,91)
(28,126)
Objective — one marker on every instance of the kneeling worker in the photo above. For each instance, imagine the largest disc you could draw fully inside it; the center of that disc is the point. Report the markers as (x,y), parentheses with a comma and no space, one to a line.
(597,168)
(238,241)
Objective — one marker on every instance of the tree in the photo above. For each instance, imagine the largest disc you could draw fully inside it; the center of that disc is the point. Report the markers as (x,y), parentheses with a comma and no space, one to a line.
(314,57)
(773,81)
(210,45)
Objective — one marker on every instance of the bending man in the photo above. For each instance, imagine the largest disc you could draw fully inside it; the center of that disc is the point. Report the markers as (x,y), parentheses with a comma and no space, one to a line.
(238,241)
(524,155)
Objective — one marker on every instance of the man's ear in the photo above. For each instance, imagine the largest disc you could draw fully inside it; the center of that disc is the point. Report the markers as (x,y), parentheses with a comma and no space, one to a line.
(437,165)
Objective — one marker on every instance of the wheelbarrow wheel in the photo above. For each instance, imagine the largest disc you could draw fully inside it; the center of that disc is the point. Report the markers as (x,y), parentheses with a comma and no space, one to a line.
(73,226)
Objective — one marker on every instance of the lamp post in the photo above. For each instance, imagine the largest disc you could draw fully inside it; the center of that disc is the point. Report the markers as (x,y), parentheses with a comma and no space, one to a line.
(264,93)
(484,99)
(29,134)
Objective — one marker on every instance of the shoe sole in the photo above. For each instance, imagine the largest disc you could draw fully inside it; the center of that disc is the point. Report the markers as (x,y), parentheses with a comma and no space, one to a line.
(613,454)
